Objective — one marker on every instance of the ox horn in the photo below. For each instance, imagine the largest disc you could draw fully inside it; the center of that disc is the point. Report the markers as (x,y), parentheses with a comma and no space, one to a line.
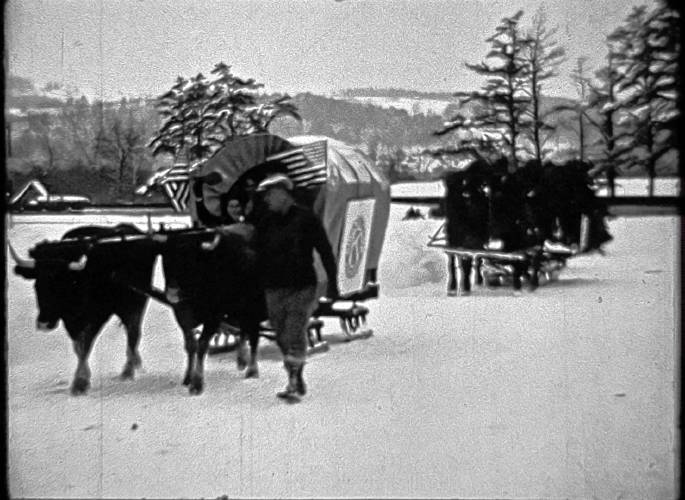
(80,265)
(26,263)
(209,246)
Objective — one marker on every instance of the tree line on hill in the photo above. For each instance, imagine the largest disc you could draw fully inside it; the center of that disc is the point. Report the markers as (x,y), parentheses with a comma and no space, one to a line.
(75,146)
(625,118)
(395,93)
(105,149)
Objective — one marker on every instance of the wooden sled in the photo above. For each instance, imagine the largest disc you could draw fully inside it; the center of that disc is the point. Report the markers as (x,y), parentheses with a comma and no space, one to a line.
(352,318)
(502,268)
(228,337)
(316,343)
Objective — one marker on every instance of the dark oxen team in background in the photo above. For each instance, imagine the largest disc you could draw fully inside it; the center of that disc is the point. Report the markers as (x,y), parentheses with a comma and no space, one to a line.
(525,219)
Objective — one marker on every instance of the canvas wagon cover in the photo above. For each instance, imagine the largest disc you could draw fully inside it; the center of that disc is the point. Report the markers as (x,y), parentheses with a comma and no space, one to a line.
(351,175)
(235,158)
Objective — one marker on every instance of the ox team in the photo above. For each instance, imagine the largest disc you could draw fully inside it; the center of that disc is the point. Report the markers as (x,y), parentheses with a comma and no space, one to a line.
(96,272)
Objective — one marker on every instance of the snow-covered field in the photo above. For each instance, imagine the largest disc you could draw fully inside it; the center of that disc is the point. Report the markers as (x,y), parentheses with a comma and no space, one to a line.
(567,392)
(411,106)
(663,186)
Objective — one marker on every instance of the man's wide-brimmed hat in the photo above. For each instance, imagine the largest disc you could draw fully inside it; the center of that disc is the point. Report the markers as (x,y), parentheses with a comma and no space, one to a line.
(274,181)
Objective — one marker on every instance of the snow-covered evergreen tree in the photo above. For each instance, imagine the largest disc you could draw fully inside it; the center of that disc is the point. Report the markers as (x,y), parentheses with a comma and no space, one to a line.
(200,114)
(496,118)
(646,49)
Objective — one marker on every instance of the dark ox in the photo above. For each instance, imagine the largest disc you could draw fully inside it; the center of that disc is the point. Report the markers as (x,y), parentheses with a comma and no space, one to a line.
(467,204)
(539,207)
(76,282)
(208,280)
(554,198)
(485,210)
(514,224)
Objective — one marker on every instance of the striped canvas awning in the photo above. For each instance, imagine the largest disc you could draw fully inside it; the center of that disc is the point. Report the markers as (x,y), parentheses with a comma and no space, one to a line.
(176,185)
(306,165)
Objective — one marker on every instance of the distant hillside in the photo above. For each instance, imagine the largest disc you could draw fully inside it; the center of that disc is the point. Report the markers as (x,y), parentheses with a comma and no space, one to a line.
(433,107)
(360,123)
(408,118)
(392,125)
(415,102)
(393,93)
(24,102)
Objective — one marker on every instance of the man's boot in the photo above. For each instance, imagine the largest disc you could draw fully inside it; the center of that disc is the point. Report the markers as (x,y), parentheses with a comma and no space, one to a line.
(242,354)
(300,386)
(290,390)
(296,385)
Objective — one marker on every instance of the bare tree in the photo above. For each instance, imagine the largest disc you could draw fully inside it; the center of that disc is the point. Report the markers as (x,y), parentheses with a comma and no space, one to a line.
(77,120)
(582,82)
(121,142)
(43,142)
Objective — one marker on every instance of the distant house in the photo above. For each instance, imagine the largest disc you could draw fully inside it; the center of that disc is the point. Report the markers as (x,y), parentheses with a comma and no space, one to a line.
(34,196)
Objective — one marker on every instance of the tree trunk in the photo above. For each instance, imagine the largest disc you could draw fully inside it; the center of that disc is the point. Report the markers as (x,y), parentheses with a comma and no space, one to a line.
(651,163)
(513,166)
(51,157)
(611,179)
(652,175)
(122,166)
(8,133)
(536,121)
(581,137)
(134,175)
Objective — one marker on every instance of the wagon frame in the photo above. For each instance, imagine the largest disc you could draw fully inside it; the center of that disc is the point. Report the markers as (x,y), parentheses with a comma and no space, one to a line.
(539,260)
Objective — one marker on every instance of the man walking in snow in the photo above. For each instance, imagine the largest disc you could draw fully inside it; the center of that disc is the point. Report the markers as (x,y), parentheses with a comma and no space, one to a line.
(285,239)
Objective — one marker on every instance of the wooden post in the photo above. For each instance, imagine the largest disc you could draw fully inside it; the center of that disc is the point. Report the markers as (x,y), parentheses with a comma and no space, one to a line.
(478,264)
(451,269)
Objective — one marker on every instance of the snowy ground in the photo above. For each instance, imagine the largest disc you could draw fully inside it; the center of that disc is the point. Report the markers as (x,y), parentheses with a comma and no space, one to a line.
(567,392)
(663,186)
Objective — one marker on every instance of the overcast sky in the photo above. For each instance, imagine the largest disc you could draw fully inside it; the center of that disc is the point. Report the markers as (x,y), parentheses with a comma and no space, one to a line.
(138,47)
